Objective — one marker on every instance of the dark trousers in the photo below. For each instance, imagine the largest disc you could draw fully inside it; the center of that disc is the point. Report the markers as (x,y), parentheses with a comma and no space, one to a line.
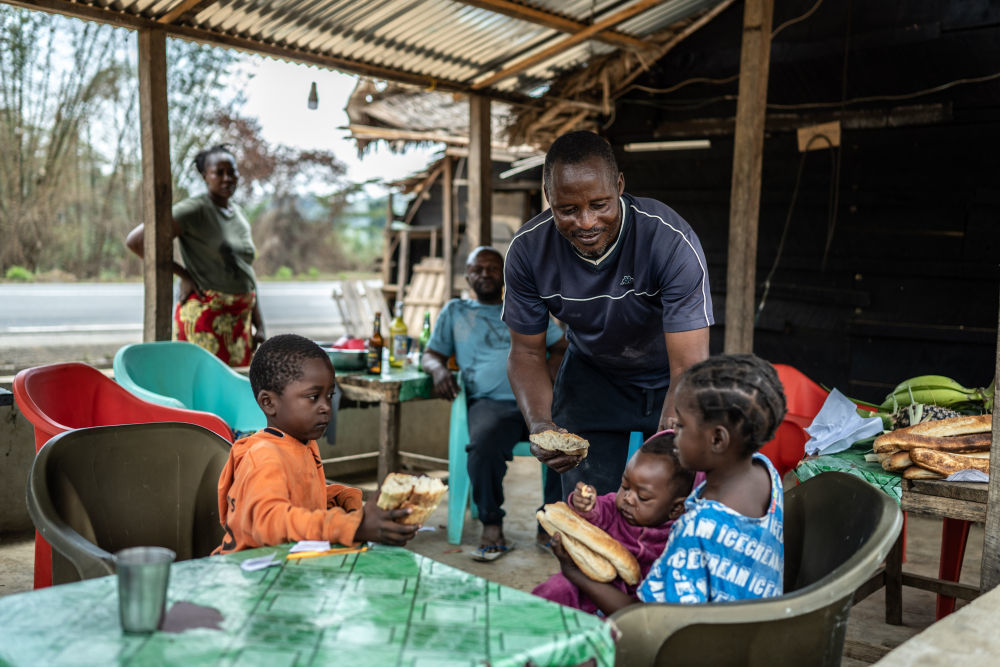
(605,411)
(494,428)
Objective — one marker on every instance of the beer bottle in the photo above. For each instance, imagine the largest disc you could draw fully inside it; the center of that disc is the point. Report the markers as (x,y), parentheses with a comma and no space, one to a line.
(374,360)
(425,333)
(398,338)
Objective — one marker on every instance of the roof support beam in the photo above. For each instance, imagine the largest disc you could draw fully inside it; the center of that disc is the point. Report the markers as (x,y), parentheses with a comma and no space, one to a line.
(158,238)
(560,46)
(744,199)
(479,220)
(556,22)
(186,7)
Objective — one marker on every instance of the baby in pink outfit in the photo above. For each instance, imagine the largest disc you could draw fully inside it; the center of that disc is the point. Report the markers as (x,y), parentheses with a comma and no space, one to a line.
(639,515)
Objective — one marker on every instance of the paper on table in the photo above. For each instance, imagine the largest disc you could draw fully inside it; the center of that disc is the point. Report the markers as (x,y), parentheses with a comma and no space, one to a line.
(259,563)
(837,426)
(309,545)
(968,476)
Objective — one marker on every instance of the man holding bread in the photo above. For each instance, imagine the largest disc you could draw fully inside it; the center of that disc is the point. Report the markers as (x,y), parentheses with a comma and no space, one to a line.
(628,278)
(473,332)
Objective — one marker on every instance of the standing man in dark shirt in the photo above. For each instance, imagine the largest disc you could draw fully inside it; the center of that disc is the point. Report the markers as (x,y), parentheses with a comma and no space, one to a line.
(628,278)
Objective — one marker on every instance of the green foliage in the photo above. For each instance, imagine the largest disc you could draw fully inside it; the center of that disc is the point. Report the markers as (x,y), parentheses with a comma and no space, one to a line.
(313,272)
(19,274)
(284,273)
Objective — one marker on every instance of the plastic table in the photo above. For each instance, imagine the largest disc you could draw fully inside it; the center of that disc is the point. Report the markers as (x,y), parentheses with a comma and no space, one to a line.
(385,606)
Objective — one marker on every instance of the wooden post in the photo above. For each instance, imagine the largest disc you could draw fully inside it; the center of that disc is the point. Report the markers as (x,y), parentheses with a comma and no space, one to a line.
(479,221)
(387,242)
(156,186)
(990,569)
(404,263)
(448,227)
(744,203)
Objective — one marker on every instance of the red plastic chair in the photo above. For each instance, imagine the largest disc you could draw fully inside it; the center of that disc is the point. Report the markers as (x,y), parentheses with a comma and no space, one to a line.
(62,397)
(803,398)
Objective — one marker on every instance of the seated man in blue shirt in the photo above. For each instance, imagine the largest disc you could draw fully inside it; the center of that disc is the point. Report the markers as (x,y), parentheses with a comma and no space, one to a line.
(473,332)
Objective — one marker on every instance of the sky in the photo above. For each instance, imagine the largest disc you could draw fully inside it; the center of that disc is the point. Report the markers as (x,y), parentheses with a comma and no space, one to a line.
(277,97)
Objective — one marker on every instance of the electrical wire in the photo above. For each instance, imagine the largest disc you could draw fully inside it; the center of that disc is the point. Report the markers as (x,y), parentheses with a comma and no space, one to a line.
(791,209)
(797,19)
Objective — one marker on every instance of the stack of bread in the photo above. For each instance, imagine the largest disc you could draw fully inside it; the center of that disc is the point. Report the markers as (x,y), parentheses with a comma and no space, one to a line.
(600,556)
(936,449)
(421,494)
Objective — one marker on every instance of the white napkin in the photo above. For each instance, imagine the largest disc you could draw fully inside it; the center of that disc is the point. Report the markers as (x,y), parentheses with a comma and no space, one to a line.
(837,426)
(968,476)
(310,545)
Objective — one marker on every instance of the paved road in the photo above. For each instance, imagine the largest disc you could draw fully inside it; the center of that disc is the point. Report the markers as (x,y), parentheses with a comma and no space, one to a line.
(92,313)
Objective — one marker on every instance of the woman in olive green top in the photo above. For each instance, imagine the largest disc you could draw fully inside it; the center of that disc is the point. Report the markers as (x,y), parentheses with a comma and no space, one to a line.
(218,306)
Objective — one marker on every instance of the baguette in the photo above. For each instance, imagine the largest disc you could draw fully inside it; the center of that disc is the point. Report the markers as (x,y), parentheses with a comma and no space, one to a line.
(896,461)
(594,566)
(947,464)
(568,522)
(916,472)
(904,439)
(561,442)
(963,425)
(421,494)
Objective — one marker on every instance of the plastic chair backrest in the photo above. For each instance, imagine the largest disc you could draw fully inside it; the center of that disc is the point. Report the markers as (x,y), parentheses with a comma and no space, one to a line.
(94,491)
(60,397)
(803,399)
(838,530)
(185,374)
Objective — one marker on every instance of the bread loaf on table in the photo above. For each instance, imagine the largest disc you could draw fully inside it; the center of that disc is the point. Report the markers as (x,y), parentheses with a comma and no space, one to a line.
(561,442)
(904,439)
(916,472)
(569,523)
(421,494)
(594,566)
(963,425)
(945,463)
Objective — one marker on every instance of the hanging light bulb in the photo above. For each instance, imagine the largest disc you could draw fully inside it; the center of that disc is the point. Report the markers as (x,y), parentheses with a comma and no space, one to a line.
(313,97)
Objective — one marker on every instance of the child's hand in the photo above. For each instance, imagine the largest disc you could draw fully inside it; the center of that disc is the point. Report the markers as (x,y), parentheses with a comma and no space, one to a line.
(583,498)
(569,569)
(379,525)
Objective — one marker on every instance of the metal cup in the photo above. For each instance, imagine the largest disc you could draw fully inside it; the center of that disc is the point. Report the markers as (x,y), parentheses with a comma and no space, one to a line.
(143,573)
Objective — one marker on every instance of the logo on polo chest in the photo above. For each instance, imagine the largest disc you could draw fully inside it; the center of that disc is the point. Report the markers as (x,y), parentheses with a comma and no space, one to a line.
(627,280)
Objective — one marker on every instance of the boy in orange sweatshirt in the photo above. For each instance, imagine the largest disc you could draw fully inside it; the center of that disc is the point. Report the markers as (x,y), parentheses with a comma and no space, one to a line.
(272,489)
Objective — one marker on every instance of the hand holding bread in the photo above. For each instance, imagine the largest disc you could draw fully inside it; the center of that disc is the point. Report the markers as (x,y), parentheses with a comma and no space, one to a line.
(420,494)
(559,450)
(597,554)
(583,498)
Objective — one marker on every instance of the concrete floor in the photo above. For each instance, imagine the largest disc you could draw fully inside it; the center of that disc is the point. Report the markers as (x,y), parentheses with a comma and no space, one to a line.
(868,636)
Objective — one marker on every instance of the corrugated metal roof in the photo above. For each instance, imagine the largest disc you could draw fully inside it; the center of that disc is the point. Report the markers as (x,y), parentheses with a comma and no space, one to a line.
(454,44)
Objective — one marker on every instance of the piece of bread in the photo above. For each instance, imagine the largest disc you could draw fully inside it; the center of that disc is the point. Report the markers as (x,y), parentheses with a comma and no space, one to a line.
(945,463)
(916,472)
(964,425)
(568,522)
(561,442)
(594,566)
(895,461)
(904,439)
(421,494)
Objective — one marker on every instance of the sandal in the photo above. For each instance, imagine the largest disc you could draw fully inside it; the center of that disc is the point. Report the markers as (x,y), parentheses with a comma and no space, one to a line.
(491,552)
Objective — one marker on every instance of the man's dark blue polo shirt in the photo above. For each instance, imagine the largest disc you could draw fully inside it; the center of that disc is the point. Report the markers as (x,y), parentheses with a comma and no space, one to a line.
(652,280)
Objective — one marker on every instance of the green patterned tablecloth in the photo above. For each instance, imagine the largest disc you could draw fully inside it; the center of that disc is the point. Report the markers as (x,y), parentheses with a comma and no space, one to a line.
(852,461)
(386,606)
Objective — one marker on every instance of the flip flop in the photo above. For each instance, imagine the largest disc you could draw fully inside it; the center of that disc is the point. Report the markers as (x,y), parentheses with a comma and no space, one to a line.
(491,552)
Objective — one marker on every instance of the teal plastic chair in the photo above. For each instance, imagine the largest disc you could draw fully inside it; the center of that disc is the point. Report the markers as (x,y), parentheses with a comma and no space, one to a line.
(459,487)
(184,375)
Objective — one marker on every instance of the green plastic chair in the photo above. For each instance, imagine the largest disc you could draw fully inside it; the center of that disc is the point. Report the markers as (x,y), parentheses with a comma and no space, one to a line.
(459,487)
(838,530)
(94,491)
(185,375)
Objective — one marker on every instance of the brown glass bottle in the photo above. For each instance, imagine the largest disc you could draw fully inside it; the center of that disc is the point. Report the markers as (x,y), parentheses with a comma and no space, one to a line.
(374,361)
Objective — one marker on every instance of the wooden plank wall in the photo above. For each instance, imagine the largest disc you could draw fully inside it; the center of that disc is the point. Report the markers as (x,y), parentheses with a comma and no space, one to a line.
(910,282)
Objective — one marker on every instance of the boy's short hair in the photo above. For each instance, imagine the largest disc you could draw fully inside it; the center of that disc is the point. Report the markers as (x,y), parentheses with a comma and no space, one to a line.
(278,361)
(662,444)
